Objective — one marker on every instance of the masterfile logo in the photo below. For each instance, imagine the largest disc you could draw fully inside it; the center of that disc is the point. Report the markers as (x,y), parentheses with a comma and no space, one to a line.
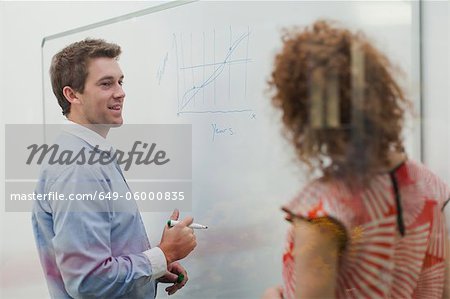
(95,155)
(157,152)
(155,161)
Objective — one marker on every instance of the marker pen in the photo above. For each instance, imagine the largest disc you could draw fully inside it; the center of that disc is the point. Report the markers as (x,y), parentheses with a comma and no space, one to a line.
(171,223)
(180,278)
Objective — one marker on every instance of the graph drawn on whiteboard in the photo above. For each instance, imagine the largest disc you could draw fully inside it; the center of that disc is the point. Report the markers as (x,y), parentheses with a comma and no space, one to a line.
(212,70)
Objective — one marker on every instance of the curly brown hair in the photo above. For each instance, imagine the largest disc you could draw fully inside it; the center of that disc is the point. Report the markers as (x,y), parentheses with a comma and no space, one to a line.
(341,106)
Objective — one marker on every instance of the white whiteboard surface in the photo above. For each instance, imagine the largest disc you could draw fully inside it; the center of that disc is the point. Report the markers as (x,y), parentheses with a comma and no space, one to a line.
(206,64)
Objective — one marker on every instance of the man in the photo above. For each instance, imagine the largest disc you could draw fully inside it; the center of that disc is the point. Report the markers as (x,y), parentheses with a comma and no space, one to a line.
(98,248)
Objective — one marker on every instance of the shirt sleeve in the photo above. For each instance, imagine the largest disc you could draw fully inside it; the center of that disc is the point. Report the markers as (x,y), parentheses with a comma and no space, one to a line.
(158,261)
(82,243)
(318,204)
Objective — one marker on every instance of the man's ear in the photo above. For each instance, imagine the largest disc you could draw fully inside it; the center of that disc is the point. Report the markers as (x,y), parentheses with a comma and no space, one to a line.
(71,95)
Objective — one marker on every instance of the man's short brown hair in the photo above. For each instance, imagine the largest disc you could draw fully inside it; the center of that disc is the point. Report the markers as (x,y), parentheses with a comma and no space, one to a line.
(70,66)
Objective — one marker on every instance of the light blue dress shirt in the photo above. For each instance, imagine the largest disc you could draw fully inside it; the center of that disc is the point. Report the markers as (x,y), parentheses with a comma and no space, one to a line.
(92,248)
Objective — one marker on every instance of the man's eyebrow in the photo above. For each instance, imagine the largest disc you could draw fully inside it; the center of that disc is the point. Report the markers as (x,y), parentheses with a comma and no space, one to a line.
(109,78)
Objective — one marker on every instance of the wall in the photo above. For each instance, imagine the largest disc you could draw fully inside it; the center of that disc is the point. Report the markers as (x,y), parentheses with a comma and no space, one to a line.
(436,88)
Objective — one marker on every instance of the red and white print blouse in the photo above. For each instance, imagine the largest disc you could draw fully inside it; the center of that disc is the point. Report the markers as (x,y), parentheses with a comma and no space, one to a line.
(395,234)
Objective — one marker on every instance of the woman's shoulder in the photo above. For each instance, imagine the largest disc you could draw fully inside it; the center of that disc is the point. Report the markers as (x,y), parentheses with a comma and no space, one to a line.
(417,170)
(318,198)
(425,180)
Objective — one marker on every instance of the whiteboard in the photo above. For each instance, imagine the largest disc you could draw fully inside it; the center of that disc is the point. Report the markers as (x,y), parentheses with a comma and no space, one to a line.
(207,64)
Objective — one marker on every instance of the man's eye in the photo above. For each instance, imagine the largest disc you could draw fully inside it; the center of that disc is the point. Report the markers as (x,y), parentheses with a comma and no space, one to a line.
(106,84)
(120,83)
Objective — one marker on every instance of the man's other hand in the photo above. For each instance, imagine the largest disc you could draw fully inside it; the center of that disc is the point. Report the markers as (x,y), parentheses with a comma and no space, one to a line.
(174,269)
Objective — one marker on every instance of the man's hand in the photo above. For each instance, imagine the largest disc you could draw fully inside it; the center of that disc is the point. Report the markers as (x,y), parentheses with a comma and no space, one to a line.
(177,242)
(172,277)
(273,293)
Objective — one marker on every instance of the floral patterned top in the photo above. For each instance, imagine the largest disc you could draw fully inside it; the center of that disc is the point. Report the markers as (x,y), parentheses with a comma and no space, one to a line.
(395,232)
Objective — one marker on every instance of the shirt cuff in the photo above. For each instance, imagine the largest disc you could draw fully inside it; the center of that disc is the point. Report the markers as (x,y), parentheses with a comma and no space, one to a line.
(158,262)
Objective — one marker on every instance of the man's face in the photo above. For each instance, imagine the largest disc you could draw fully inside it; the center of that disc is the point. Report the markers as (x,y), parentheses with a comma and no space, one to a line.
(102,99)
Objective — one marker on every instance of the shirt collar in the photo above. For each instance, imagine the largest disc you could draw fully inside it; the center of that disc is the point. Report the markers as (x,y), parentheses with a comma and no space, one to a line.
(88,135)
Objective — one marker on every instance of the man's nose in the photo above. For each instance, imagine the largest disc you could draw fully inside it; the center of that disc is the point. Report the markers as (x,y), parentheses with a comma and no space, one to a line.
(119,92)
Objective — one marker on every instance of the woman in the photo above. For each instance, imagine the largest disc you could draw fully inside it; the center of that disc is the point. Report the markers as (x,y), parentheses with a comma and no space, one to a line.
(371,222)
